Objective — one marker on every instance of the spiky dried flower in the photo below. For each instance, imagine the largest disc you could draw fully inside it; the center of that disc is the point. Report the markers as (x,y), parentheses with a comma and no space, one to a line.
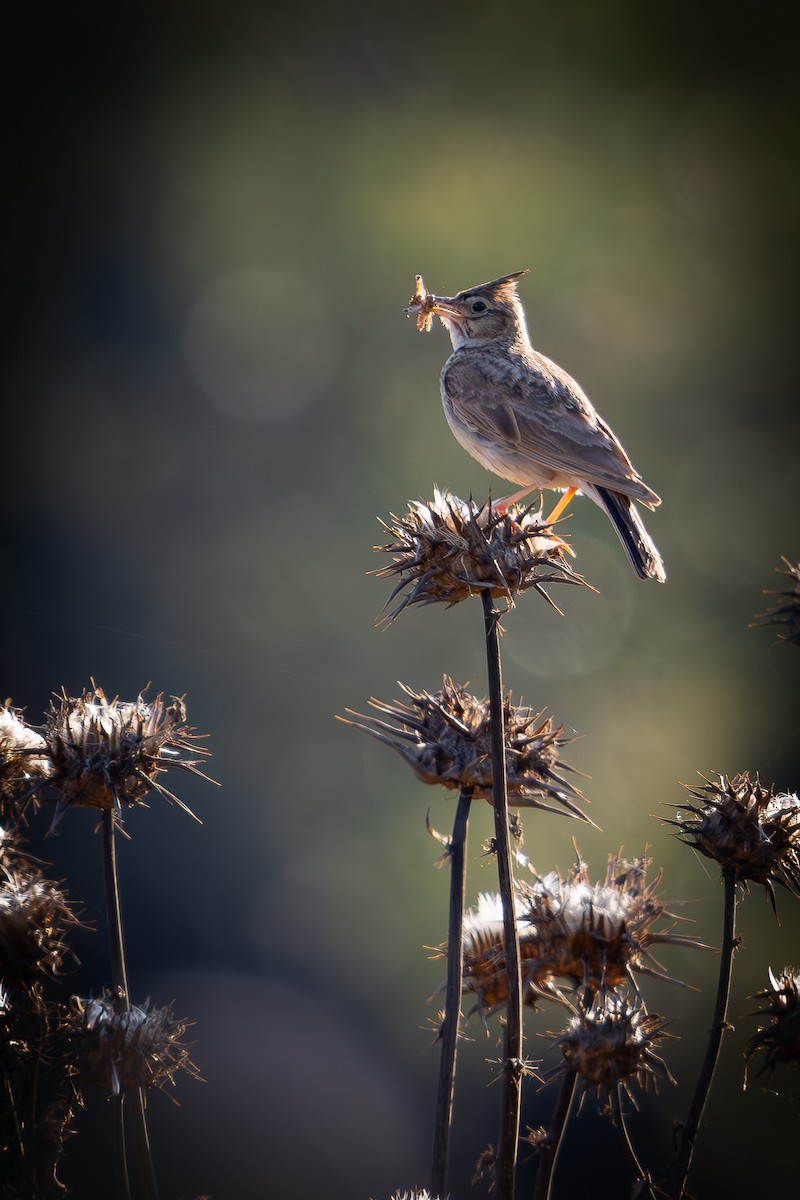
(538,1137)
(445,737)
(592,936)
(121,1048)
(24,763)
(34,920)
(780,1039)
(109,754)
(414,1194)
(448,549)
(786,611)
(610,1046)
(748,829)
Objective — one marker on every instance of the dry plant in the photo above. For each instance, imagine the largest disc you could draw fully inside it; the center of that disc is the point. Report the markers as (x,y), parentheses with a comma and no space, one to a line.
(109,755)
(446,551)
(557,940)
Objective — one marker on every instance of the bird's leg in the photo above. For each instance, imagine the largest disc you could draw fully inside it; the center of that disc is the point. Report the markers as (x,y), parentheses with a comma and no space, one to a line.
(562,504)
(501,507)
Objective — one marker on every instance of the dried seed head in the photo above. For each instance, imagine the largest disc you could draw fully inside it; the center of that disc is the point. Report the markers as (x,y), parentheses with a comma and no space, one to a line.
(780,1039)
(786,611)
(121,1049)
(539,1138)
(445,738)
(591,936)
(748,829)
(34,919)
(414,1194)
(447,549)
(108,754)
(24,763)
(611,1046)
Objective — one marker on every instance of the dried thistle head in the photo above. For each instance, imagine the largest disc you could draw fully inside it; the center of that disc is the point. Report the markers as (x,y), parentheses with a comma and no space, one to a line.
(24,762)
(785,612)
(448,549)
(591,936)
(109,754)
(750,830)
(780,1039)
(445,738)
(414,1194)
(34,920)
(609,1047)
(538,1137)
(121,1048)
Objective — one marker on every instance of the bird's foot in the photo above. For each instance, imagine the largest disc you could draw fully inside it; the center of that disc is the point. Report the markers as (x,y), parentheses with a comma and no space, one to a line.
(501,507)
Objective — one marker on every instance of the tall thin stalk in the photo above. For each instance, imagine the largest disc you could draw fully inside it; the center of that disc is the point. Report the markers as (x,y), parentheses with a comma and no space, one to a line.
(120,1149)
(642,1184)
(548,1154)
(720,1024)
(512,1039)
(116,947)
(452,1010)
(119,977)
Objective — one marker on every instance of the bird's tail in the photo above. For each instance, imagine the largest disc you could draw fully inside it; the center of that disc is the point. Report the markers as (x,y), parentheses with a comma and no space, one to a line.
(639,546)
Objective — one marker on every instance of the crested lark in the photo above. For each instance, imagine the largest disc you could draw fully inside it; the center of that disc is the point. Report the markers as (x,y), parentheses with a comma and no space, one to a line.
(523,417)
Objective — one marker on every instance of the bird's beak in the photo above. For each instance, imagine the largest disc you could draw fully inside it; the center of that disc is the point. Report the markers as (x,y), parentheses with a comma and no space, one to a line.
(424,306)
(447,306)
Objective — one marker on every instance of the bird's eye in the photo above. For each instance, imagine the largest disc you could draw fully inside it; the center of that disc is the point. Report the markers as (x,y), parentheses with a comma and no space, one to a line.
(478,306)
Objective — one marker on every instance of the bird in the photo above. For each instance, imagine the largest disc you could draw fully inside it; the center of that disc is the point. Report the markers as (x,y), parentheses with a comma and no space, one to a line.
(524,418)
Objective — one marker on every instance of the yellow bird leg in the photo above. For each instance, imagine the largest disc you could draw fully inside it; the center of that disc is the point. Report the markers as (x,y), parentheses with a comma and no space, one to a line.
(562,504)
(501,507)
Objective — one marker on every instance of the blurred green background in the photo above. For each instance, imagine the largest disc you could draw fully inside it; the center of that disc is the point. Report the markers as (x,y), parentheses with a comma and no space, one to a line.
(211,395)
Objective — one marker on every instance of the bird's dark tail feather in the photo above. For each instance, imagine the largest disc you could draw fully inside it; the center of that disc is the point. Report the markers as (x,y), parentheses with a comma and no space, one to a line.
(639,546)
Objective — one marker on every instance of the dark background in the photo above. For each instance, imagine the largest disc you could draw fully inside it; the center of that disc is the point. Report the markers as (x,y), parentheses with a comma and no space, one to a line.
(214,217)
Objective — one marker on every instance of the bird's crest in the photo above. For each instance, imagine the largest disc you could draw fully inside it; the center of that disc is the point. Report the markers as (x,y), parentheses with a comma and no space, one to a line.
(503,288)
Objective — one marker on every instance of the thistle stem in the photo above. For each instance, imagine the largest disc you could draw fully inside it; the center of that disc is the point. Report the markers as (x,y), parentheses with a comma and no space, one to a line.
(548,1155)
(119,977)
(641,1177)
(452,1010)
(116,947)
(512,1073)
(121,1154)
(141,1141)
(720,1024)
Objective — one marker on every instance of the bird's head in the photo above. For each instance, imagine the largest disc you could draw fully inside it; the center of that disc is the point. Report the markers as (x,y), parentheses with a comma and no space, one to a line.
(488,312)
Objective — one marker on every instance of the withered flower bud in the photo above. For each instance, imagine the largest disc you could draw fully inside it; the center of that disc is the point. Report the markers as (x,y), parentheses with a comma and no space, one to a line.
(108,754)
(448,549)
(445,738)
(122,1049)
(415,1194)
(748,829)
(786,611)
(591,936)
(24,763)
(780,1039)
(611,1046)
(34,919)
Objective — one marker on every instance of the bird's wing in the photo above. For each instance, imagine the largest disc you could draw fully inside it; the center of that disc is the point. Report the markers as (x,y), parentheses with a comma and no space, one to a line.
(541,415)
